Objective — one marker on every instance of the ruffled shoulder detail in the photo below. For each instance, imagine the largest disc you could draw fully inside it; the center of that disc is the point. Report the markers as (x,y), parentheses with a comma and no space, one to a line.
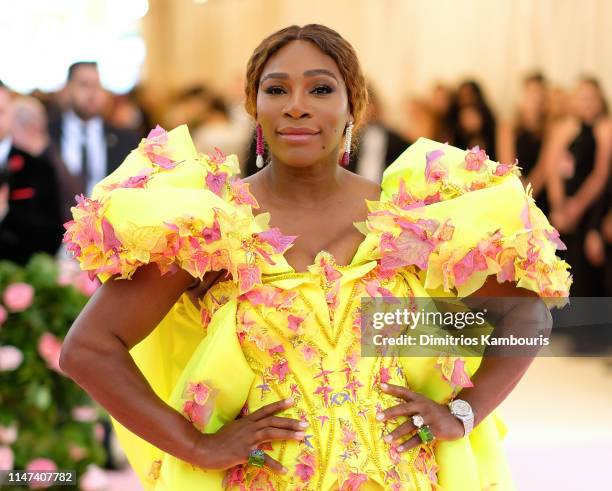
(457,217)
(166,204)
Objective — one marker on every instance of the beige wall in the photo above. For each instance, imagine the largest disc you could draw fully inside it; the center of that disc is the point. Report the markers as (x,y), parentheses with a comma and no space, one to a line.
(404,45)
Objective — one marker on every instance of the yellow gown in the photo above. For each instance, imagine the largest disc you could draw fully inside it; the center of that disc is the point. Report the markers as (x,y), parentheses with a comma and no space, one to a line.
(446,220)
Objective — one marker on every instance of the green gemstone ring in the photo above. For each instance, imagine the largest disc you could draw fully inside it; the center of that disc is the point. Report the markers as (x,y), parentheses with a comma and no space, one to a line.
(256,458)
(425,434)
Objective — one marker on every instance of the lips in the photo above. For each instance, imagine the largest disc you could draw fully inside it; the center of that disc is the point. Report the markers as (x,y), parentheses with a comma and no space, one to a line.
(297,134)
(297,131)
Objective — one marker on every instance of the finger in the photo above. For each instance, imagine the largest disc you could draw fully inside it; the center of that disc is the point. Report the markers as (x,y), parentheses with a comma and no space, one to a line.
(270,434)
(284,423)
(399,432)
(399,391)
(270,409)
(410,443)
(404,409)
(274,465)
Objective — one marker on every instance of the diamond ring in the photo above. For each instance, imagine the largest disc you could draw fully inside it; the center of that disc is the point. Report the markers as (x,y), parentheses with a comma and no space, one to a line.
(418,421)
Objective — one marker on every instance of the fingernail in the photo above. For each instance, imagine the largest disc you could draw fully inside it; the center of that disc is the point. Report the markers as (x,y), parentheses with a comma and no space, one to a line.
(299,434)
(388,439)
(284,470)
(400,448)
(380,416)
(304,424)
(289,400)
(384,386)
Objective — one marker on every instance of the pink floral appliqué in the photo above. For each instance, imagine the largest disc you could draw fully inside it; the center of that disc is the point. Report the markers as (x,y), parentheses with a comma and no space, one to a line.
(475,158)
(199,404)
(434,169)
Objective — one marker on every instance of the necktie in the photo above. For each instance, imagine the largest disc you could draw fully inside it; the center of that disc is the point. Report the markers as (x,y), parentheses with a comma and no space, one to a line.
(85,172)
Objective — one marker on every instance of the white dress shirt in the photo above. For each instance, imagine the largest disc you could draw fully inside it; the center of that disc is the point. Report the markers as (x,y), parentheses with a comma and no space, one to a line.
(5,149)
(75,133)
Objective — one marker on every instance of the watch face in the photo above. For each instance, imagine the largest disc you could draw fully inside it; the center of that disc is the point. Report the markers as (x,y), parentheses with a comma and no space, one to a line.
(461,408)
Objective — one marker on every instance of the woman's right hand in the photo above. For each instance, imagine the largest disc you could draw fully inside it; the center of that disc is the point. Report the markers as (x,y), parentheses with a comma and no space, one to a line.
(232,444)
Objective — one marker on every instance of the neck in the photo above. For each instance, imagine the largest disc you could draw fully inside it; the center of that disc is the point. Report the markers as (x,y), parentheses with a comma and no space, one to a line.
(82,116)
(303,186)
(531,120)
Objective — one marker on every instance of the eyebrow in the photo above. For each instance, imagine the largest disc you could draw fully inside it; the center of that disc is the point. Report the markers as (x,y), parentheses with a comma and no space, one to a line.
(307,73)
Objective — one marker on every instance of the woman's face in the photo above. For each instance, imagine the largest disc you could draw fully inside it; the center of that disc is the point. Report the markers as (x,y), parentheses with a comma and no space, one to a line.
(534,96)
(302,105)
(470,120)
(587,102)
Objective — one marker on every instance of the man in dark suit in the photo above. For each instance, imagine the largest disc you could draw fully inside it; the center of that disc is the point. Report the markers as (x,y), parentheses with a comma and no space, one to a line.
(89,147)
(30,218)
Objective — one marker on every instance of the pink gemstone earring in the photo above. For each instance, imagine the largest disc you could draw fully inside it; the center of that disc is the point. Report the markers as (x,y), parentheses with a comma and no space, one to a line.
(346,156)
(259,149)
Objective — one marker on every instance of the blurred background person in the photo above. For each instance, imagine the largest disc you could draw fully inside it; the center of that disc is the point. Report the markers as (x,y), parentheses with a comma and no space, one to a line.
(30,219)
(126,113)
(219,129)
(523,137)
(377,144)
(557,105)
(442,101)
(30,133)
(189,106)
(90,148)
(421,119)
(473,119)
(578,164)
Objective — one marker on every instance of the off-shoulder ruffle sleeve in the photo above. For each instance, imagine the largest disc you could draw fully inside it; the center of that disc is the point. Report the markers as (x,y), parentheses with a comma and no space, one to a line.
(168,205)
(458,217)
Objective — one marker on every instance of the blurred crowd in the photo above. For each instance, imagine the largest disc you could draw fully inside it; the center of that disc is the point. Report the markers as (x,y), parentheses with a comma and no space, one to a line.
(55,146)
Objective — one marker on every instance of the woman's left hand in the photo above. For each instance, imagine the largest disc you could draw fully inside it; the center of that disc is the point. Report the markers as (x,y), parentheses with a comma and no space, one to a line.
(442,423)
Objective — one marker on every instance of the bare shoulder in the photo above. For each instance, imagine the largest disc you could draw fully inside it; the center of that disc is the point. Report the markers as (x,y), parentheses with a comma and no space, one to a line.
(362,188)
(603,129)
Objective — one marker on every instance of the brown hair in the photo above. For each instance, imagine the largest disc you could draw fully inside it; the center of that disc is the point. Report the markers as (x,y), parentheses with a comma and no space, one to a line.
(330,43)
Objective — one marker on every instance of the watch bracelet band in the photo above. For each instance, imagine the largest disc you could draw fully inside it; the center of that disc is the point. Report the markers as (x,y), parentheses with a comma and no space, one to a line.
(468,423)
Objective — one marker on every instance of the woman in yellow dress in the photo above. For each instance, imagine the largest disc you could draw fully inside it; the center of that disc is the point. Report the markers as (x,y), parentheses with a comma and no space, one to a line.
(231,358)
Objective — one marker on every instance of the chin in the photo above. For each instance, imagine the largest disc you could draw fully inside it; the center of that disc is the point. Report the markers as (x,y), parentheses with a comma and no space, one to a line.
(301,157)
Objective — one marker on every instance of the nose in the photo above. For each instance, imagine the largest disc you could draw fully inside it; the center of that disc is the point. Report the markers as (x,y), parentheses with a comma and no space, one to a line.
(296,106)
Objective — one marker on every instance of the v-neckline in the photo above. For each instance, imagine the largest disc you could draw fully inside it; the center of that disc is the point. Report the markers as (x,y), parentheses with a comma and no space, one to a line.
(321,252)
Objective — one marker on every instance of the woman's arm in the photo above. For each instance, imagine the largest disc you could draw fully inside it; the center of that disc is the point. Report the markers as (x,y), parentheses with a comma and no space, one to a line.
(506,148)
(552,152)
(493,381)
(594,184)
(96,356)
(497,376)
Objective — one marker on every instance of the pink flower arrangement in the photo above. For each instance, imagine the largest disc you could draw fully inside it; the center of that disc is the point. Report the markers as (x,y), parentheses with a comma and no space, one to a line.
(10,358)
(8,435)
(49,349)
(40,465)
(98,432)
(18,297)
(77,452)
(94,479)
(7,458)
(84,414)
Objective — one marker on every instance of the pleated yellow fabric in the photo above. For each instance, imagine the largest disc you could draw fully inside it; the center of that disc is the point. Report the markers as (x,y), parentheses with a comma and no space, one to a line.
(447,219)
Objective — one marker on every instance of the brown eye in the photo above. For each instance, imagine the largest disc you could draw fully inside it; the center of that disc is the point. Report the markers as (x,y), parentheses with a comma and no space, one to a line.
(274,90)
(322,89)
